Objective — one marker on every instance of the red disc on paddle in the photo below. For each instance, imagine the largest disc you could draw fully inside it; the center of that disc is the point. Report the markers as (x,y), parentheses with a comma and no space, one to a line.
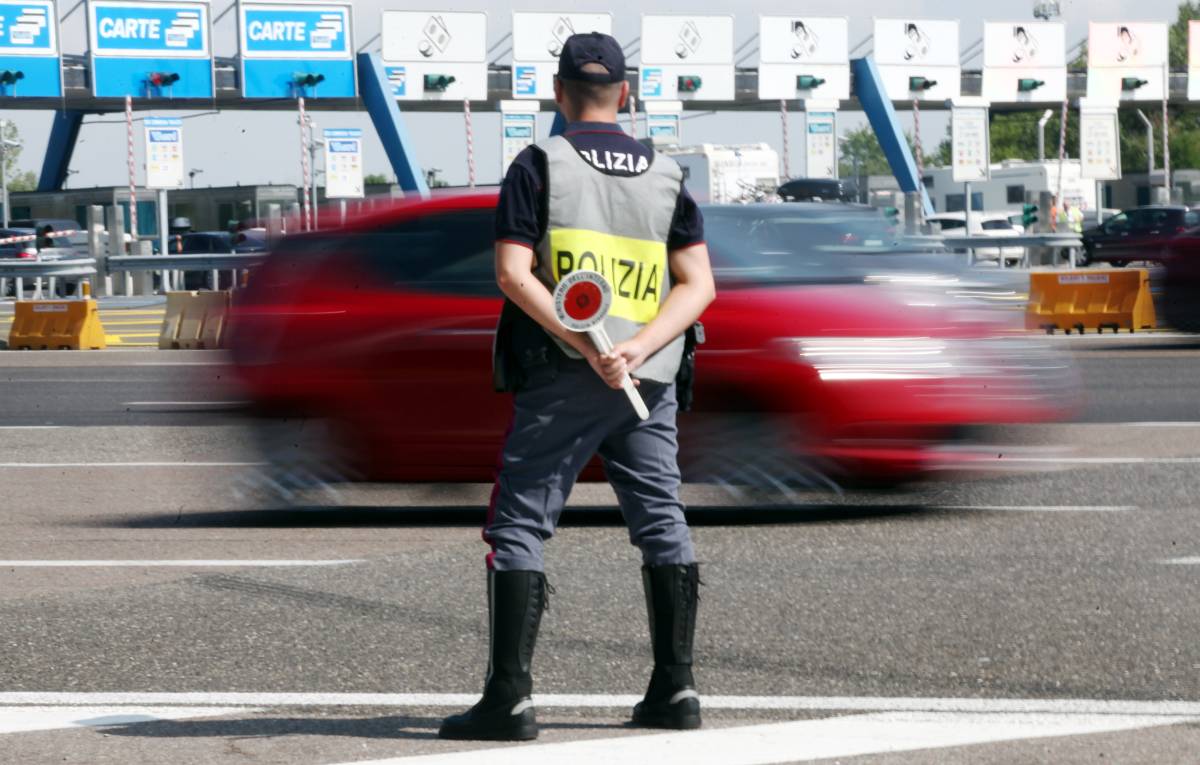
(583,300)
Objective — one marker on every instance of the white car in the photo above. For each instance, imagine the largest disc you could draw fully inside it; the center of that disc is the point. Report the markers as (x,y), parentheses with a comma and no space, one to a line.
(982,224)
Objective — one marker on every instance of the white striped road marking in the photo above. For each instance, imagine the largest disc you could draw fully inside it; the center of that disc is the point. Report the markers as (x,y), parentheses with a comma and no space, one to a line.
(1195,561)
(1103,460)
(179,363)
(1166,709)
(30,427)
(216,563)
(186,403)
(1162,424)
(1042,508)
(16,465)
(35,718)
(847,736)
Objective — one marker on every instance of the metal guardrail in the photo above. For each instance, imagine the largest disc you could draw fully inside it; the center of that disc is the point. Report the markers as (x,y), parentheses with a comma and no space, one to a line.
(74,268)
(197,262)
(1053,241)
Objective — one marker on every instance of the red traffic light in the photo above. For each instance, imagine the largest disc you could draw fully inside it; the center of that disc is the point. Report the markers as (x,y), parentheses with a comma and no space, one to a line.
(163,79)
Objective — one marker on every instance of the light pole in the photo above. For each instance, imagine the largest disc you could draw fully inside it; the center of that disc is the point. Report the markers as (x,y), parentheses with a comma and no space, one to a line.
(5,145)
(1046,115)
(192,175)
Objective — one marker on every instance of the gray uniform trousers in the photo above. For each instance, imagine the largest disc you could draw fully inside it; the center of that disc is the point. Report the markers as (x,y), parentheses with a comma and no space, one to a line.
(558,424)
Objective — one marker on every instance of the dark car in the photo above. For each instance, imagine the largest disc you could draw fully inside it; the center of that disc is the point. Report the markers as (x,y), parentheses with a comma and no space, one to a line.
(1143,233)
(810,189)
(24,247)
(211,242)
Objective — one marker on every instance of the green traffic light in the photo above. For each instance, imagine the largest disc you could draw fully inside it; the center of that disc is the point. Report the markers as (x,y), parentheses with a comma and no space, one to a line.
(1029,215)
(808,82)
(1132,83)
(920,83)
(438,82)
(10,76)
(1028,85)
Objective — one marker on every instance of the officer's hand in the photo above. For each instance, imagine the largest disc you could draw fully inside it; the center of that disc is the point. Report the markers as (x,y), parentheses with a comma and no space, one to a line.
(611,367)
(633,351)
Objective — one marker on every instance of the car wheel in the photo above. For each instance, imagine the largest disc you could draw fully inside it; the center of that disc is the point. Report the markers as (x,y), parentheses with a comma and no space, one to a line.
(304,461)
(1083,258)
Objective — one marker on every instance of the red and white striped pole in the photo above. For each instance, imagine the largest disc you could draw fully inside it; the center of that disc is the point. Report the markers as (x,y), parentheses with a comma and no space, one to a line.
(786,157)
(1166,132)
(918,152)
(470,143)
(1062,159)
(133,221)
(306,209)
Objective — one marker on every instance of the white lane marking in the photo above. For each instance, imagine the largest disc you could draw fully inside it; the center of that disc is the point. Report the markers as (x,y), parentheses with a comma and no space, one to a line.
(79,381)
(184,403)
(1103,460)
(613,701)
(848,736)
(127,464)
(1181,561)
(1163,424)
(35,718)
(30,427)
(179,364)
(1042,508)
(201,563)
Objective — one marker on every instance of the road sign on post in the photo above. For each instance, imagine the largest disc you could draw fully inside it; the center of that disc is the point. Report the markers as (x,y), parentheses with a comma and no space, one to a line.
(30,65)
(1099,141)
(164,152)
(292,49)
(662,122)
(1194,61)
(537,39)
(803,58)
(1127,61)
(918,59)
(343,163)
(518,129)
(1025,62)
(820,139)
(687,58)
(150,49)
(435,56)
(970,147)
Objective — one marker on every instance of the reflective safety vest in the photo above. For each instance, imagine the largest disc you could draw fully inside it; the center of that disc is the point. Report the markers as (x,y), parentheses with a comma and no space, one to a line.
(618,226)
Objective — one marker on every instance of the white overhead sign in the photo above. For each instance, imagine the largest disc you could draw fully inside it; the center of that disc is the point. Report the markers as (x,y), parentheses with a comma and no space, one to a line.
(1099,143)
(518,129)
(911,50)
(687,58)
(1019,54)
(970,148)
(820,144)
(433,55)
(164,152)
(1194,60)
(795,47)
(1127,61)
(343,163)
(537,41)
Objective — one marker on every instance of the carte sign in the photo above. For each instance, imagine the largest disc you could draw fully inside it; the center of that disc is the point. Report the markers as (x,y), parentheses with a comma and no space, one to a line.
(687,58)
(150,49)
(803,57)
(29,50)
(1099,144)
(164,153)
(1127,61)
(820,145)
(291,49)
(343,163)
(969,141)
(537,41)
(435,55)
(1025,62)
(918,52)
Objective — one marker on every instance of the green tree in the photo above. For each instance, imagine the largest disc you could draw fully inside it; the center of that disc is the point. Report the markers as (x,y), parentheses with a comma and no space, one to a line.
(26,181)
(1178,39)
(375,179)
(860,149)
(12,154)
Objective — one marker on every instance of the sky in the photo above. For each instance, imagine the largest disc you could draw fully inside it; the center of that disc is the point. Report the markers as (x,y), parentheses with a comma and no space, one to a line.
(244,147)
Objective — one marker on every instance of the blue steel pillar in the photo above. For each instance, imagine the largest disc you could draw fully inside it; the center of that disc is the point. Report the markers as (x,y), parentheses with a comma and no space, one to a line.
(389,124)
(871,94)
(64,131)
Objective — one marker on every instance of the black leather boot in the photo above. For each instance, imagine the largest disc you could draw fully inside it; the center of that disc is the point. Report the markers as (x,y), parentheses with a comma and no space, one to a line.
(671,598)
(505,713)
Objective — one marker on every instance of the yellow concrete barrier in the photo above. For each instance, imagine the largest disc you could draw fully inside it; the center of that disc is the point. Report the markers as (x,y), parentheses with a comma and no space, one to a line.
(194,320)
(1093,299)
(40,325)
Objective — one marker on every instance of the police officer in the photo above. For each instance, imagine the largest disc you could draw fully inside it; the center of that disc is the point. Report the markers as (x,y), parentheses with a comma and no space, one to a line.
(591,198)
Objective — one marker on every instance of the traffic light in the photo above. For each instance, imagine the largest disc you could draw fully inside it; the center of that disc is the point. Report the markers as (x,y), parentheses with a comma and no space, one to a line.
(1029,215)
(10,76)
(162,79)
(1131,83)
(892,214)
(920,83)
(1028,85)
(438,83)
(808,82)
(307,79)
(689,83)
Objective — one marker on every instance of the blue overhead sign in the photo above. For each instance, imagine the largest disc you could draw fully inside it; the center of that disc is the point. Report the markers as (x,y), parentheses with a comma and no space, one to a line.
(29,62)
(291,49)
(150,49)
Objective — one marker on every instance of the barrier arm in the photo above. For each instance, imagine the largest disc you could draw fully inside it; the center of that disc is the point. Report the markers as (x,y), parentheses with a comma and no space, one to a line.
(389,124)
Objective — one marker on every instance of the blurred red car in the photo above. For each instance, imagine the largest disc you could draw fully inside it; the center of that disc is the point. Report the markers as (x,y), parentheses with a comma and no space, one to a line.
(811,372)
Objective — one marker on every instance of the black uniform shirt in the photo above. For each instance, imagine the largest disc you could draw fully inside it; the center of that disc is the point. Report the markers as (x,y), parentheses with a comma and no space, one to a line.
(521,213)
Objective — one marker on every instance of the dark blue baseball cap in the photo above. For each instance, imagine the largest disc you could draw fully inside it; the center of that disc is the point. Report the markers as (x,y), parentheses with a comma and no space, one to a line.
(591,48)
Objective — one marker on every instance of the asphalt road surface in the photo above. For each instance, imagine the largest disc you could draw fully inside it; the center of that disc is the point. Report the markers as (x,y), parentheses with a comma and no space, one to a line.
(150,613)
